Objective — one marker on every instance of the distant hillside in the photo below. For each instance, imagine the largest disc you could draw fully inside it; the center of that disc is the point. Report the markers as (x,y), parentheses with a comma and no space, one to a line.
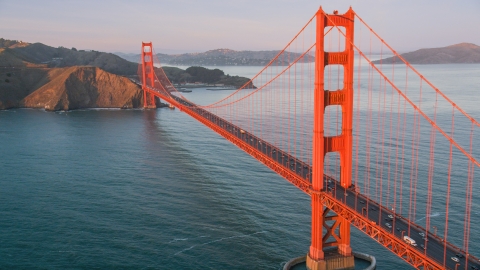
(204,75)
(13,53)
(6,43)
(454,54)
(222,57)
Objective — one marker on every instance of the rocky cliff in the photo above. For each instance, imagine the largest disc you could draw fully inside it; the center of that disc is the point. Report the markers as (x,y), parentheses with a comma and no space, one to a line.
(84,87)
(68,88)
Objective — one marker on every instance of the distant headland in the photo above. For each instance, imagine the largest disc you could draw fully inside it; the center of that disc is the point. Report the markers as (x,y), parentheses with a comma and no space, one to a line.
(463,53)
(222,57)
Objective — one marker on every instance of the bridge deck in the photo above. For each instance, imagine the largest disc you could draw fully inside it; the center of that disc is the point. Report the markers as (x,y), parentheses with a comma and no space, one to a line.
(376,215)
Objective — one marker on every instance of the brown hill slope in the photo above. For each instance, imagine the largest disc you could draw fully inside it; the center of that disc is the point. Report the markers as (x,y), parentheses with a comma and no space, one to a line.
(17,83)
(454,54)
(40,76)
(84,87)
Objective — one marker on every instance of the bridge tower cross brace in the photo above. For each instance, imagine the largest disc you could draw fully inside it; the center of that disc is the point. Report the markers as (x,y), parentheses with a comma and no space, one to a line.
(148,75)
(341,143)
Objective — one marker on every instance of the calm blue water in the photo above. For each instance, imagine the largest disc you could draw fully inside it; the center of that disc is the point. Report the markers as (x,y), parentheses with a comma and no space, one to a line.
(101,189)
(139,189)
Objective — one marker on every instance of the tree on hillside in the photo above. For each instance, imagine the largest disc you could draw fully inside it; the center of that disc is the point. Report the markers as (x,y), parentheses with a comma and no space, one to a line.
(5,43)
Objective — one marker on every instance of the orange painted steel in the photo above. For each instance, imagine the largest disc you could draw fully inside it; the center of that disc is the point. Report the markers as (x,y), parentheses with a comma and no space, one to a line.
(376,232)
(403,250)
(148,74)
(323,203)
(316,247)
(341,143)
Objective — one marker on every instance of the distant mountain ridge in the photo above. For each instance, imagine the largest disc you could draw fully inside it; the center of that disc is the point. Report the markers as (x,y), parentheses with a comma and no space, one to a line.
(224,57)
(21,54)
(462,53)
(458,53)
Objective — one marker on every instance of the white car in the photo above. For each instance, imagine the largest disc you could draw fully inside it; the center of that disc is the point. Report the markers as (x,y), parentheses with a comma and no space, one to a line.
(455,259)
(390,216)
(421,234)
(388,225)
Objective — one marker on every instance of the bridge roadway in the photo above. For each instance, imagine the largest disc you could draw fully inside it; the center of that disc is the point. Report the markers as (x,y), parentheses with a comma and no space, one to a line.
(431,245)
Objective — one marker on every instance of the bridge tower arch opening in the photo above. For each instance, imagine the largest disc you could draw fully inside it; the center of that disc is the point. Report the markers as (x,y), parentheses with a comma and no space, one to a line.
(148,75)
(341,143)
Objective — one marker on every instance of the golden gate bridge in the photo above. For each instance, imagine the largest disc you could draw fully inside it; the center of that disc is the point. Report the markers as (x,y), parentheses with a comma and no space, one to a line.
(356,127)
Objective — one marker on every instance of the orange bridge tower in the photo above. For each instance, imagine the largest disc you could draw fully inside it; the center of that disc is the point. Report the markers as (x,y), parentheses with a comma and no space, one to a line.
(322,232)
(148,75)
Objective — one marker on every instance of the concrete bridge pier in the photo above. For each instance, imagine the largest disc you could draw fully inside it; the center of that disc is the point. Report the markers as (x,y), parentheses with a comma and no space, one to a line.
(333,260)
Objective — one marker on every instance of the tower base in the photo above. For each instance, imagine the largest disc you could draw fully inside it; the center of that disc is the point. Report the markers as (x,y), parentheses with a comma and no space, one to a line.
(332,260)
(358,256)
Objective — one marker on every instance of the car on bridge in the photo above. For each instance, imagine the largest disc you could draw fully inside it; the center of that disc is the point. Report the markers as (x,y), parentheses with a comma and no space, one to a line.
(455,259)
(409,241)
(388,225)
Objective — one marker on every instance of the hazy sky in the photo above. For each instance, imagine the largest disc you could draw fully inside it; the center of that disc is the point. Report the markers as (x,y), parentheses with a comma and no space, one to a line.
(176,26)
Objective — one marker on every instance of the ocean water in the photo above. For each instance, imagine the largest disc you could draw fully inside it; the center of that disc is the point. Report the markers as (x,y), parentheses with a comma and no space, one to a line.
(134,189)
